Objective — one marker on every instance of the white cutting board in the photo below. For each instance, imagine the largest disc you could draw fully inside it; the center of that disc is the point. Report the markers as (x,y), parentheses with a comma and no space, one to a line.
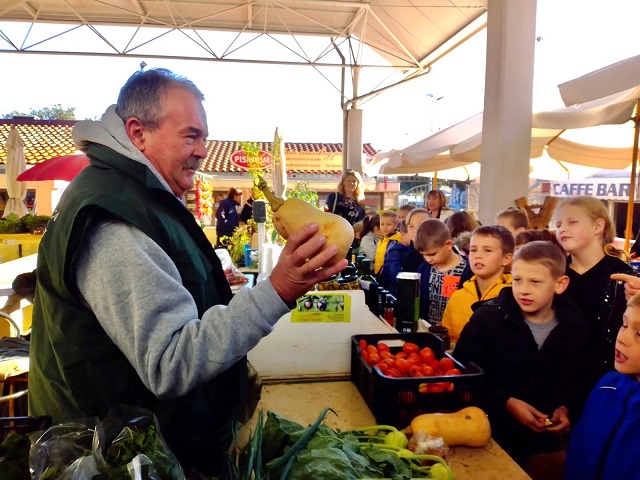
(314,350)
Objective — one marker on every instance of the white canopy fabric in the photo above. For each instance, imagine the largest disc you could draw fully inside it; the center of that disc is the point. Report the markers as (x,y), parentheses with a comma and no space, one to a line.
(433,145)
(601,83)
(15,165)
(461,144)
(623,76)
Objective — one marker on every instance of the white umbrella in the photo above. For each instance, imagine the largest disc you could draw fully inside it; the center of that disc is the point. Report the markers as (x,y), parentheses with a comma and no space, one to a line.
(280,166)
(14,166)
(618,77)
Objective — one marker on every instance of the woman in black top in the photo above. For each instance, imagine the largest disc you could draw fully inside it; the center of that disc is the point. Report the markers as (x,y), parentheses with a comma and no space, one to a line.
(348,202)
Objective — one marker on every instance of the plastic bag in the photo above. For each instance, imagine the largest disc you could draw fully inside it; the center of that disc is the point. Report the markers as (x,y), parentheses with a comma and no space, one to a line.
(422,443)
(127,432)
(56,450)
(126,445)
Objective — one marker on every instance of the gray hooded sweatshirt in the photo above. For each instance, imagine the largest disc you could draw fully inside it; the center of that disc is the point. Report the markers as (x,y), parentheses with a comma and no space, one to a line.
(136,293)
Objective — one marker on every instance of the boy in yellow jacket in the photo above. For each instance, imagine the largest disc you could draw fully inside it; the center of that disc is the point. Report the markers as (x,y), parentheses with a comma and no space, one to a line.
(388,227)
(490,252)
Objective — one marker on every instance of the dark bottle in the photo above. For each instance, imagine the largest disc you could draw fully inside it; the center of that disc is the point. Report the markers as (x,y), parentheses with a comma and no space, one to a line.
(369,285)
(388,312)
(408,302)
(359,259)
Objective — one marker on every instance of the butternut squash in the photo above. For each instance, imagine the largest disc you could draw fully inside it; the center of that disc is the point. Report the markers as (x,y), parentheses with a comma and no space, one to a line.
(291,214)
(468,427)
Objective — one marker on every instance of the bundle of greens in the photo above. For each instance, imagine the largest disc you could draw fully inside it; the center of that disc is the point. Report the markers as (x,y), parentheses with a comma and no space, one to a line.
(281,448)
(14,457)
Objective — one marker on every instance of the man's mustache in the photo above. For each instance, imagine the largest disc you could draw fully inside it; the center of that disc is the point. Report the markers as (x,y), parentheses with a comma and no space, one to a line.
(192,163)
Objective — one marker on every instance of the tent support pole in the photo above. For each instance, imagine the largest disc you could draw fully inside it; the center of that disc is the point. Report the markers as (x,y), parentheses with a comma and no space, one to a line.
(632,187)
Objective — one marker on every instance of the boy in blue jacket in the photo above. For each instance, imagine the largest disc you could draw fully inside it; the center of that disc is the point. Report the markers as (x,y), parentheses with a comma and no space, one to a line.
(605,445)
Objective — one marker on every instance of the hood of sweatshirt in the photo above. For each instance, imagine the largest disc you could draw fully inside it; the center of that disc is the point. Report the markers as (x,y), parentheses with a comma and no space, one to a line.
(110,132)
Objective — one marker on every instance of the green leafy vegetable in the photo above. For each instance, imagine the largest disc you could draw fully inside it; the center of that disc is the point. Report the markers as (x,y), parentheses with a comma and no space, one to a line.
(291,451)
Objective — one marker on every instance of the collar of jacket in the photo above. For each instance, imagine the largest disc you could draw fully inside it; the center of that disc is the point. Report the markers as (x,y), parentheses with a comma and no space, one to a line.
(506,304)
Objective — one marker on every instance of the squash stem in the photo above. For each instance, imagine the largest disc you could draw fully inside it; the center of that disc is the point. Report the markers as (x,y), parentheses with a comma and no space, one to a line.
(275,202)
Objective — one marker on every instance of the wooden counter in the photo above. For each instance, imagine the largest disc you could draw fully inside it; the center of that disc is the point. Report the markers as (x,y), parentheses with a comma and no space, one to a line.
(303,402)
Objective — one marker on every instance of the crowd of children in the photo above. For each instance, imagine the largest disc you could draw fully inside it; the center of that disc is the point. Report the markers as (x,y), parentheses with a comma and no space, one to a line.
(543,314)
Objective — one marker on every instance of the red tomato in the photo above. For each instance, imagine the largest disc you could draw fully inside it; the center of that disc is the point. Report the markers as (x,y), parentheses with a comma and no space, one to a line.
(415,357)
(393,372)
(401,355)
(385,354)
(374,359)
(383,367)
(442,386)
(412,362)
(414,371)
(435,388)
(383,347)
(410,347)
(362,343)
(372,349)
(390,361)
(453,371)
(365,355)
(446,364)
(427,371)
(435,364)
(402,364)
(427,355)
(422,388)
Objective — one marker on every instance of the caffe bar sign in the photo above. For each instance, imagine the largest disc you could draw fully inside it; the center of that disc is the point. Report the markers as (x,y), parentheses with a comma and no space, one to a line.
(262,161)
(603,188)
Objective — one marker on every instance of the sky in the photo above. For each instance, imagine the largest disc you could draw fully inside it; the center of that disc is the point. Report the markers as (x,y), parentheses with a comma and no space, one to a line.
(248,101)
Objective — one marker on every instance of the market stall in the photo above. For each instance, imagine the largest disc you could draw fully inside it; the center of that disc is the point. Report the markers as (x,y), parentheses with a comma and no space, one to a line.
(303,402)
(306,367)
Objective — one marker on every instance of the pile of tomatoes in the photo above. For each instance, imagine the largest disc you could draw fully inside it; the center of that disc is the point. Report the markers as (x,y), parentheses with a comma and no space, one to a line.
(411,361)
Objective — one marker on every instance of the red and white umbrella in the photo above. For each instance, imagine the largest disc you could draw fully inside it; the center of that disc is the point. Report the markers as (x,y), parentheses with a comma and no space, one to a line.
(65,167)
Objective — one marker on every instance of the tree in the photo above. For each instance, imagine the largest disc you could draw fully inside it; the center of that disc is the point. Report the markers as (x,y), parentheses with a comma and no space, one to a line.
(48,113)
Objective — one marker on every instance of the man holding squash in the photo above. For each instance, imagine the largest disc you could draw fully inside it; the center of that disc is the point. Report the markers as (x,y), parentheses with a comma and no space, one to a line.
(132,305)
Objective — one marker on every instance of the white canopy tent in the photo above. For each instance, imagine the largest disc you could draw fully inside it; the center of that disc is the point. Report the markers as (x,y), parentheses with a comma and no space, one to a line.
(623,76)
(461,144)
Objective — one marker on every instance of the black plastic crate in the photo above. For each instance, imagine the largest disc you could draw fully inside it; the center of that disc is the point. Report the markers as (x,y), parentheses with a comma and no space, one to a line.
(396,401)
(23,425)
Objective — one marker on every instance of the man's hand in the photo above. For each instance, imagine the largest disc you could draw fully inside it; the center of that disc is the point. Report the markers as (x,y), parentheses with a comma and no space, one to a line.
(526,414)
(559,420)
(299,266)
(631,284)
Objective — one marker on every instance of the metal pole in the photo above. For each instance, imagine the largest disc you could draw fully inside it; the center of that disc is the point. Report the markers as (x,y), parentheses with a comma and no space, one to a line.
(632,187)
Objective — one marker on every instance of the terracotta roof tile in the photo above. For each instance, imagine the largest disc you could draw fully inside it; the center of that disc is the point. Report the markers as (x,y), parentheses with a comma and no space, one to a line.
(44,139)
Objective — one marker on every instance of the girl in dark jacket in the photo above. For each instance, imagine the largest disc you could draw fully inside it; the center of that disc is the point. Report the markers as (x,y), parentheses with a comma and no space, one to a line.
(586,232)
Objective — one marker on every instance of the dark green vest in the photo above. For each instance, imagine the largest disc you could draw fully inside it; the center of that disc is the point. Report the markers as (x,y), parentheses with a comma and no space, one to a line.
(75,369)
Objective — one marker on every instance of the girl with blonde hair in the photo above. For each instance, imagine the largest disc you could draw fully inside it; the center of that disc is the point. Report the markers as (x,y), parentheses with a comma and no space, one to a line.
(586,232)
(348,201)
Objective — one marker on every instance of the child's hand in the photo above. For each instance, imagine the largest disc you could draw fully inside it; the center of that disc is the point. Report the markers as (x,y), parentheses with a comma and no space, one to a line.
(559,420)
(527,415)
(631,284)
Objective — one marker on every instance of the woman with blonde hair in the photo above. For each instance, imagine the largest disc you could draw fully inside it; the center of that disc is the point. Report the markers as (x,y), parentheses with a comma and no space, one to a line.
(437,205)
(348,201)
(586,232)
